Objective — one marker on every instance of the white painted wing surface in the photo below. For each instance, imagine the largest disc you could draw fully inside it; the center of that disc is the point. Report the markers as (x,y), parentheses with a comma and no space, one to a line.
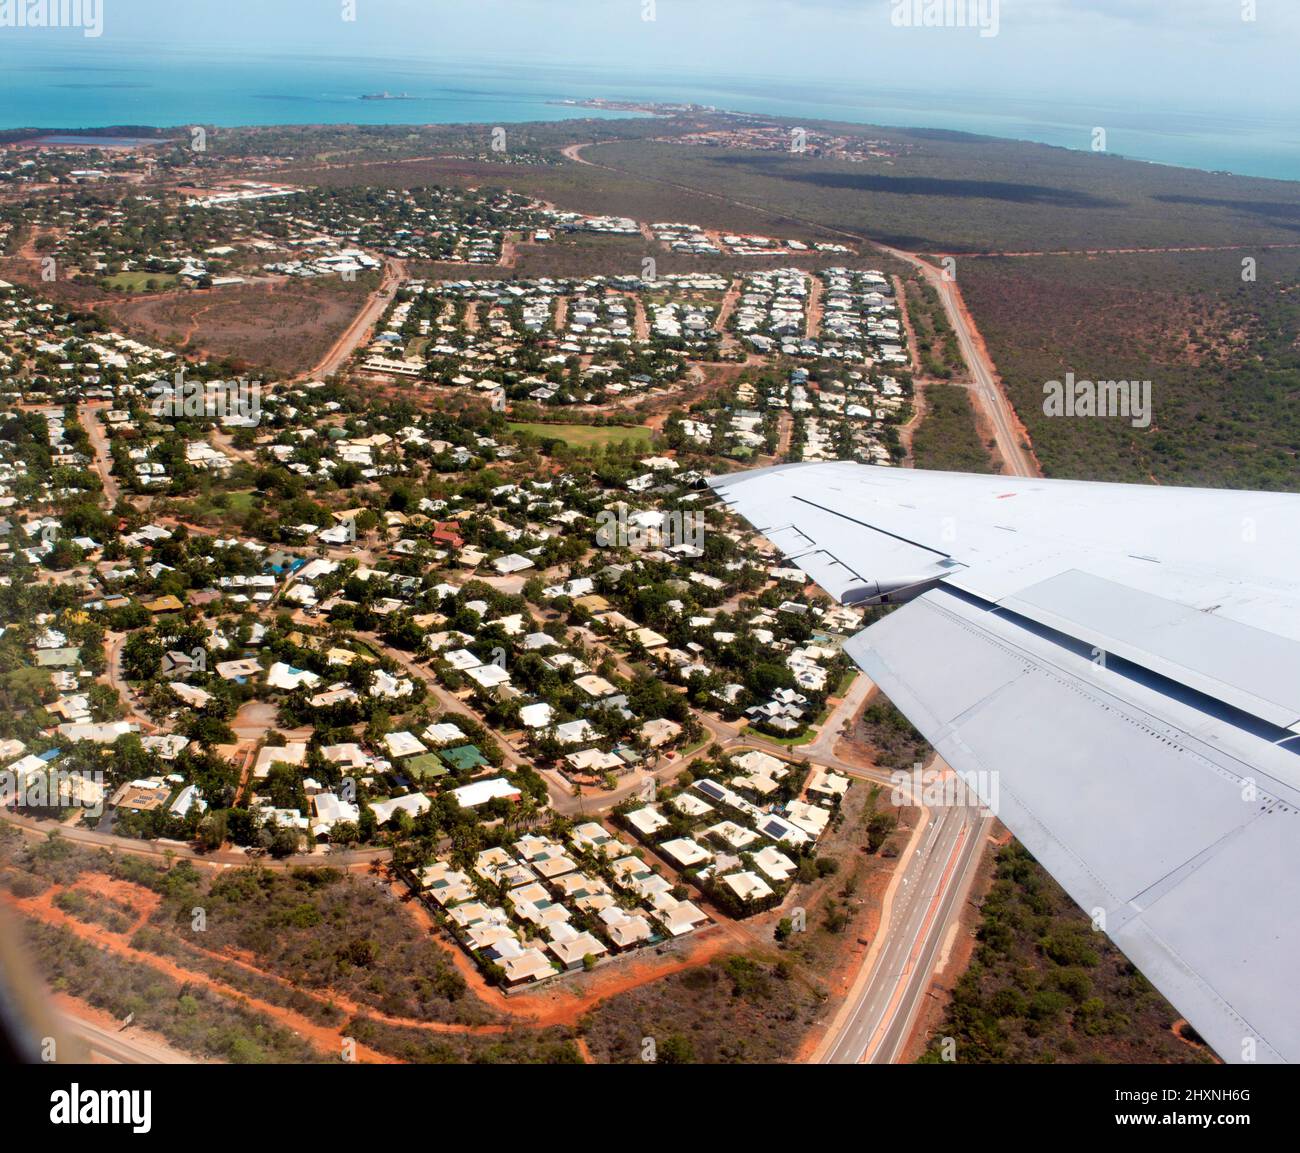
(1116,669)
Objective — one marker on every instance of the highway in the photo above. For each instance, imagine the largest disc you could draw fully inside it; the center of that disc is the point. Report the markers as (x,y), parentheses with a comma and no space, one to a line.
(924,900)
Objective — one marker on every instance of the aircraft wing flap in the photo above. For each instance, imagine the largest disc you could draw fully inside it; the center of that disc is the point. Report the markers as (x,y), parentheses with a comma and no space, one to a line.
(1135,819)
(1245,667)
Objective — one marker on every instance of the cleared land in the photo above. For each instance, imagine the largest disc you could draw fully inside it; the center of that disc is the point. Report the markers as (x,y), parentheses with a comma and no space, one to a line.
(586,435)
(281,328)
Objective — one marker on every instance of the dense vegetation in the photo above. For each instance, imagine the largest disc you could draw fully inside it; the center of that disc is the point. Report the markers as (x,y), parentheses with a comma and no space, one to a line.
(1222,355)
(958,193)
(947,438)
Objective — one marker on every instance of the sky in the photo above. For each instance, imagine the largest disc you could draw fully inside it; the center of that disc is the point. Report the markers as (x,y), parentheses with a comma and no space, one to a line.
(1198,55)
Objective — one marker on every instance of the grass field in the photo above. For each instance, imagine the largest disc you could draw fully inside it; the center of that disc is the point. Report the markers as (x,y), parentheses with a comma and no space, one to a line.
(585,435)
(140,281)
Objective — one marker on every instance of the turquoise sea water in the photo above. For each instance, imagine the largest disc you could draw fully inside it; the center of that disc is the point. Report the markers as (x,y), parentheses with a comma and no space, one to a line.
(83,88)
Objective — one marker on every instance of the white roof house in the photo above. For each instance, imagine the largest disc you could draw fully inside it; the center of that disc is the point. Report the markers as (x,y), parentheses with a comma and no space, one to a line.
(647,820)
(747,886)
(478,793)
(413,803)
(685,852)
(404,744)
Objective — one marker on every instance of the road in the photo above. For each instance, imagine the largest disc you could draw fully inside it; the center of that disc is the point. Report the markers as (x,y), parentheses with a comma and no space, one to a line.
(88,417)
(986,389)
(115,679)
(122,1047)
(356,332)
(925,899)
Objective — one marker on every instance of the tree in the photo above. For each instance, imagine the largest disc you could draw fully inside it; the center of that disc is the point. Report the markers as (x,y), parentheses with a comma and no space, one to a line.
(141,656)
(676,1050)
(284,843)
(211,833)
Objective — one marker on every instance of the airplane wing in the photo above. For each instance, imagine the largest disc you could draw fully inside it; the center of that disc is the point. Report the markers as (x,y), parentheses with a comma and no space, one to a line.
(1115,670)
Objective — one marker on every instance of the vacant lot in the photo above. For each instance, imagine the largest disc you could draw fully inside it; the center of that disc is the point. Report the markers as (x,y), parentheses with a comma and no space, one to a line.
(586,435)
(947,438)
(738,1009)
(959,193)
(281,328)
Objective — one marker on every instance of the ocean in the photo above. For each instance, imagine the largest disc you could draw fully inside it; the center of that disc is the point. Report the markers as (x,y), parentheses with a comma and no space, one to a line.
(78,88)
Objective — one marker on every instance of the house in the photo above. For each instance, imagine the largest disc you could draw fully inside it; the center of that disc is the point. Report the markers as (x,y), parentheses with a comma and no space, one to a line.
(594,761)
(690,805)
(685,853)
(464,759)
(444,884)
(426,767)
(412,803)
(647,820)
(747,886)
(533,903)
(732,834)
(168,746)
(293,753)
(812,819)
(595,686)
(626,930)
(575,732)
(283,676)
(443,733)
(196,698)
(779,829)
(572,948)
(592,837)
(188,798)
(678,917)
(99,734)
(481,792)
(827,783)
(177,664)
(774,864)
(761,772)
(141,796)
(658,733)
(523,965)
(488,676)
(350,755)
(536,716)
(330,810)
(403,744)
